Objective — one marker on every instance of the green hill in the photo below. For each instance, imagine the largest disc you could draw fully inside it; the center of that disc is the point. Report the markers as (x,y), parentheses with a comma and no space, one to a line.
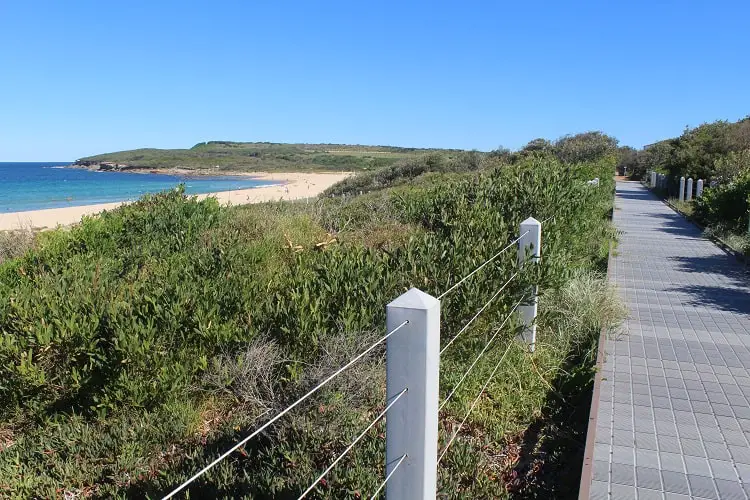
(256,156)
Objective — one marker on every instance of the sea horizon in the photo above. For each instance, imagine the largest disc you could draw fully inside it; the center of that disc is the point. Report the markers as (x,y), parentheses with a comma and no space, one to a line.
(27,186)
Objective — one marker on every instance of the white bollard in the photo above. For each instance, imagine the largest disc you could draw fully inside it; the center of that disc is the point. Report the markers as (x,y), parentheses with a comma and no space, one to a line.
(413,363)
(530,241)
(699,189)
(681,196)
(689,189)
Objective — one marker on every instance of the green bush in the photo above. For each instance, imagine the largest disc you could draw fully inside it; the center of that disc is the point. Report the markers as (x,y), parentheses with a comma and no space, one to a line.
(406,170)
(589,146)
(726,206)
(730,166)
(698,151)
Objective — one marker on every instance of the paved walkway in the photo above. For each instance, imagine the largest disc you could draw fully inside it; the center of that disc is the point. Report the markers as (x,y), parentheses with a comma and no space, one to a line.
(674,418)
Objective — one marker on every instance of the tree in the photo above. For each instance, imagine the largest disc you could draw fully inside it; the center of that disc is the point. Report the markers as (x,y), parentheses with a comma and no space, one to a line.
(538,145)
(627,163)
(588,146)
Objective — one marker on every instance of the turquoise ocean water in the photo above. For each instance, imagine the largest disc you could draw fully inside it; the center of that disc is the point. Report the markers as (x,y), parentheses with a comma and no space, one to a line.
(33,186)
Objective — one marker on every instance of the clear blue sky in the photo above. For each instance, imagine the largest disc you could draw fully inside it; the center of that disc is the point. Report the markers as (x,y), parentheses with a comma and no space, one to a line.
(85,77)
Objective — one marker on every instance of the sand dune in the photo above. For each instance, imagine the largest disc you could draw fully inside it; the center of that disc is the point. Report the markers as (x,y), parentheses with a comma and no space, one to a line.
(296,186)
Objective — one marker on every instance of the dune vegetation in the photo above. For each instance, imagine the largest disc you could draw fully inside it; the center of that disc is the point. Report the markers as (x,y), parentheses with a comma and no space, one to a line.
(139,345)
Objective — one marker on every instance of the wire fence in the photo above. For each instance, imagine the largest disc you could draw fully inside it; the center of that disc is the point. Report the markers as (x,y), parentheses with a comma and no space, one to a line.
(285,411)
(390,474)
(353,443)
(418,372)
(485,306)
(473,405)
(479,356)
(491,259)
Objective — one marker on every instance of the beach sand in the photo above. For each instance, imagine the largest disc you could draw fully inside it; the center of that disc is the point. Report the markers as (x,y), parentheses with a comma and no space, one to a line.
(296,186)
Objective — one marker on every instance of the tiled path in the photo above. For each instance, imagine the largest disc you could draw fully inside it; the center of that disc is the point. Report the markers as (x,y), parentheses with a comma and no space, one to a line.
(674,419)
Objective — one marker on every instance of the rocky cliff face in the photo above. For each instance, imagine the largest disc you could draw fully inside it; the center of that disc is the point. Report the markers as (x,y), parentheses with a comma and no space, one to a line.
(101,165)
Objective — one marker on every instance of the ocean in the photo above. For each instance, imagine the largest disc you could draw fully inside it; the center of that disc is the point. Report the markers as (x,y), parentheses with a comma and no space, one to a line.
(38,185)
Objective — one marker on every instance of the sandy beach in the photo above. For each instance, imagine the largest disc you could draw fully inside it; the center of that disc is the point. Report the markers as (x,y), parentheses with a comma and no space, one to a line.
(295,186)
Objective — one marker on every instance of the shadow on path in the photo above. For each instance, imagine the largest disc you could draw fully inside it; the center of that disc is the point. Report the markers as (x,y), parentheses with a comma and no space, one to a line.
(674,223)
(733,300)
(635,195)
(720,264)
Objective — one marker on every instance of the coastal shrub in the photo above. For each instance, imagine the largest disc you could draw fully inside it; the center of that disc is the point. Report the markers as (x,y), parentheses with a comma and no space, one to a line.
(698,151)
(588,146)
(141,343)
(405,171)
(732,165)
(726,206)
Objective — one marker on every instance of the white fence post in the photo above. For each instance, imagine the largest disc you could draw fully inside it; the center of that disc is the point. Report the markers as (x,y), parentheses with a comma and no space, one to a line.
(681,196)
(530,238)
(689,189)
(653,179)
(412,363)
(699,189)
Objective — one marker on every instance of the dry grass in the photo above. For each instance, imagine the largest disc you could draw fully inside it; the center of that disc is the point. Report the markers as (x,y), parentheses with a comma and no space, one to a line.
(6,438)
(248,375)
(17,242)
(359,383)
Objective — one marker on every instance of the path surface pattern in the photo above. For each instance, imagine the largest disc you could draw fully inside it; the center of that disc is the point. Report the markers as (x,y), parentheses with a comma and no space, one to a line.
(674,412)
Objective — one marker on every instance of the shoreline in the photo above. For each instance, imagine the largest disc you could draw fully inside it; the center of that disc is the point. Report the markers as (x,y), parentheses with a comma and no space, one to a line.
(176,171)
(293,186)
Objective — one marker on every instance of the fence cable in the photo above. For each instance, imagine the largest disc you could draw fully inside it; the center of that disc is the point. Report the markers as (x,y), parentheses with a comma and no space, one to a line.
(480,267)
(382,485)
(466,326)
(284,412)
(476,360)
(353,443)
(473,404)
(552,218)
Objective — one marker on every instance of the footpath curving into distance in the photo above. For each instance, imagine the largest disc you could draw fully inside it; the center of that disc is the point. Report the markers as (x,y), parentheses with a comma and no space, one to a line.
(672,407)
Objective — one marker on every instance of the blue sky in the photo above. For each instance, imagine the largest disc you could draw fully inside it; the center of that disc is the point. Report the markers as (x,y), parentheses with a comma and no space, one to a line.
(85,77)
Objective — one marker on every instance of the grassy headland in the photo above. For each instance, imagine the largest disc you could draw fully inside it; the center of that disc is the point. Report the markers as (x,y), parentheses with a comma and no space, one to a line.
(225,156)
(140,344)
